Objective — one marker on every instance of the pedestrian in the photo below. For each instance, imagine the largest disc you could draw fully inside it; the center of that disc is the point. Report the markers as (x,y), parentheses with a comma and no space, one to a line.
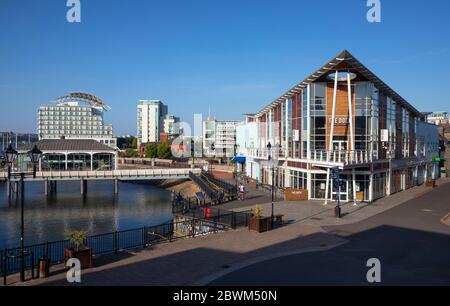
(241,191)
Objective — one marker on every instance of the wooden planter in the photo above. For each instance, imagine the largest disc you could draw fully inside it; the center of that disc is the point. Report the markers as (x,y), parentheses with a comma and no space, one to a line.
(431,183)
(84,256)
(259,225)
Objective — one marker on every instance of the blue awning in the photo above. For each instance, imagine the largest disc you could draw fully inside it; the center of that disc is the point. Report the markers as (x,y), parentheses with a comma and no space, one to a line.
(239,159)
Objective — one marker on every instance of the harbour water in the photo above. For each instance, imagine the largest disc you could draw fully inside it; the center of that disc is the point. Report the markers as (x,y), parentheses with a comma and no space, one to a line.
(47,218)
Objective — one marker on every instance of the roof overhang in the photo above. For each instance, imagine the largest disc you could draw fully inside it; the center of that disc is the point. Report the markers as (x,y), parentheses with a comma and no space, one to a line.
(342,62)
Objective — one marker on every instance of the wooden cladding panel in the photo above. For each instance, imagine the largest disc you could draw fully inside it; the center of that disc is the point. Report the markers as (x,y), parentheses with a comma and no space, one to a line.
(342,127)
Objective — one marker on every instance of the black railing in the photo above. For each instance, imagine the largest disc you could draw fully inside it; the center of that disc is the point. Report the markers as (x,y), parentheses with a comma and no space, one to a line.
(110,243)
(210,192)
(230,189)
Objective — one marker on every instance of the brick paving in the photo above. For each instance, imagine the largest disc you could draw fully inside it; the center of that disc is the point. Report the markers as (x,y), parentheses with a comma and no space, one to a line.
(190,261)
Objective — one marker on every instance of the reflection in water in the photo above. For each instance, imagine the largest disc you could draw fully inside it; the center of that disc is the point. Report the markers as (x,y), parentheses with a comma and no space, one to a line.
(99,211)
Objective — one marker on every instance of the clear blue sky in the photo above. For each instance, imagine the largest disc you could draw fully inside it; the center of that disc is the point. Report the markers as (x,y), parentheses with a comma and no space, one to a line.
(234,56)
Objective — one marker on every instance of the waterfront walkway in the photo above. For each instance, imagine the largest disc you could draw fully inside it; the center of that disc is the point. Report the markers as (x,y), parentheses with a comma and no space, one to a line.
(201,260)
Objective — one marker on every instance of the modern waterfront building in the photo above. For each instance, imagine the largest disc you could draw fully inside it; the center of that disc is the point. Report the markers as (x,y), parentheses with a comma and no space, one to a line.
(438,118)
(69,155)
(150,120)
(76,116)
(341,116)
(221,133)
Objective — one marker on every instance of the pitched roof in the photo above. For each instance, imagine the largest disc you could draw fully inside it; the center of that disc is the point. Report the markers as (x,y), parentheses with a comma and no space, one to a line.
(67,145)
(344,60)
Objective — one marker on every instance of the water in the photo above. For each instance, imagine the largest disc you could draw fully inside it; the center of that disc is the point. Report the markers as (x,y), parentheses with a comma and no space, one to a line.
(100,211)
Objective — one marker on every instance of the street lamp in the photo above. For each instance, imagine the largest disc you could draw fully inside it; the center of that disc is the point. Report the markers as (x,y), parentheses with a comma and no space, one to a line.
(11,155)
(212,149)
(35,155)
(269,148)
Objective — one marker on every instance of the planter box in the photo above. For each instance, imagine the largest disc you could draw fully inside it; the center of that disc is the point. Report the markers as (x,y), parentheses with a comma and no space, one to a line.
(84,256)
(259,224)
(431,183)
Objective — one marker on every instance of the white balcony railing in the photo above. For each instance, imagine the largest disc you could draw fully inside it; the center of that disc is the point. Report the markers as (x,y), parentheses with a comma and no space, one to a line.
(335,157)
(343,157)
(265,153)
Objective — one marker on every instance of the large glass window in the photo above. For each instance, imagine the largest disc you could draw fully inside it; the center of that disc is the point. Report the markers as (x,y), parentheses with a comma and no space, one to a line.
(318,116)
(298,180)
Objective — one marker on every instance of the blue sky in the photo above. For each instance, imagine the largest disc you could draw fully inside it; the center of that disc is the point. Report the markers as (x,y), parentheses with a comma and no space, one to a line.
(234,56)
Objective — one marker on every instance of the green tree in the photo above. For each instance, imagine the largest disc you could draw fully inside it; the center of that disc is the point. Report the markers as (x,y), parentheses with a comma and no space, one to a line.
(164,151)
(150,151)
(134,143)
(131,153)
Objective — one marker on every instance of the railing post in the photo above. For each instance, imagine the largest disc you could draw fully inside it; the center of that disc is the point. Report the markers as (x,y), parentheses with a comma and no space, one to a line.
(144,236)
(5,267)
(115,242)
(193,227)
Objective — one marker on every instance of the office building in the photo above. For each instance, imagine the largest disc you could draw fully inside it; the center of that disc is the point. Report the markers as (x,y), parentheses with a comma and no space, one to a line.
(150,120)
(221,133)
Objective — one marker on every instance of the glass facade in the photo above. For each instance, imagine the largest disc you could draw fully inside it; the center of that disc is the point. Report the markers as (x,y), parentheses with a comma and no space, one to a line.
(318,116)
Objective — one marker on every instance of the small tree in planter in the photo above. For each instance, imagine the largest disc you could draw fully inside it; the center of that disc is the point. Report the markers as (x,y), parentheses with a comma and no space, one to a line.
(257,222)
(81,252)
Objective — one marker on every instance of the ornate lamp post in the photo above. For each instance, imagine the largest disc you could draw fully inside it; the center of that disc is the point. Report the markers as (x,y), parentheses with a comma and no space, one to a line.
(11,155)
(272,166)
(35,155)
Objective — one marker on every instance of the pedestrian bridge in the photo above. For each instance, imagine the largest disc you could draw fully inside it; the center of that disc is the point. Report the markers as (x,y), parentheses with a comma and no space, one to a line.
(123,175)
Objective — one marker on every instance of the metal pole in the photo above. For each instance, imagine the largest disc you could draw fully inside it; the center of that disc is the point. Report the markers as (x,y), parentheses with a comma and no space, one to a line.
(273,178)
(22,259)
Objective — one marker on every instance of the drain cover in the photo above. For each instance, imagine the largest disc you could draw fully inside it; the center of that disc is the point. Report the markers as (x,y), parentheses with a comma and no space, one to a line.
(225,267)
(317,219)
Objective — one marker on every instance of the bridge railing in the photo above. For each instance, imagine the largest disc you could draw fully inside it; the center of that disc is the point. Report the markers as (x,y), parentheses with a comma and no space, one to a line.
(138,173)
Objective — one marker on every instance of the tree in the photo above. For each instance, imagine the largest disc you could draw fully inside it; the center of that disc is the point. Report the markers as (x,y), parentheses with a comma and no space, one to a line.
(134,143)
(164,151)
(130,153)
(150,151)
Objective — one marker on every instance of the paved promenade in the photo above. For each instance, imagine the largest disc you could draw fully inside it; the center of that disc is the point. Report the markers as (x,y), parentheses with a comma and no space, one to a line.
(199,261)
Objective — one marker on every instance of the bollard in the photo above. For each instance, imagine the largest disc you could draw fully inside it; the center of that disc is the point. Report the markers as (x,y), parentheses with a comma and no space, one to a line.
(43,267)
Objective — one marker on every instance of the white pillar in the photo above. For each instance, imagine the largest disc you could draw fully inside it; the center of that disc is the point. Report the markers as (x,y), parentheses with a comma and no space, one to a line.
(333,114)
(308,125)
(66,154)
(350,112)
(354,185)
(371,188)
(286,124)
(327,186)
(92,161)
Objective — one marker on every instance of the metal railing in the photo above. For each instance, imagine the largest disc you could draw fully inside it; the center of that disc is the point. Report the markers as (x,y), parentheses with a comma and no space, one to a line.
(232,219)
(112,242)
(344,157)
(264,153)
(113,174)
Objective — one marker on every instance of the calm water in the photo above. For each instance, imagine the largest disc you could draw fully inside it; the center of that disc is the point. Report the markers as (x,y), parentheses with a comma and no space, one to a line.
(48,218)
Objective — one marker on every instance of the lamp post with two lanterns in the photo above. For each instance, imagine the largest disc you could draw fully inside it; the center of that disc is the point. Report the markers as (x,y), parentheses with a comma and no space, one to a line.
(11,156)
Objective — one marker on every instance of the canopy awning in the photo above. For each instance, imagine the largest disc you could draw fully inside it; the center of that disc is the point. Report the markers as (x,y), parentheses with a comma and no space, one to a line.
(239,159)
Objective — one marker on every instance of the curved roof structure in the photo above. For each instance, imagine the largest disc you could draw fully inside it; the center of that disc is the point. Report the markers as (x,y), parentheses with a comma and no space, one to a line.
(85,97)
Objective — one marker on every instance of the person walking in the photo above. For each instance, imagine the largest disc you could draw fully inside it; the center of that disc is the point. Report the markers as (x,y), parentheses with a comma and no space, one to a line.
(241,191)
